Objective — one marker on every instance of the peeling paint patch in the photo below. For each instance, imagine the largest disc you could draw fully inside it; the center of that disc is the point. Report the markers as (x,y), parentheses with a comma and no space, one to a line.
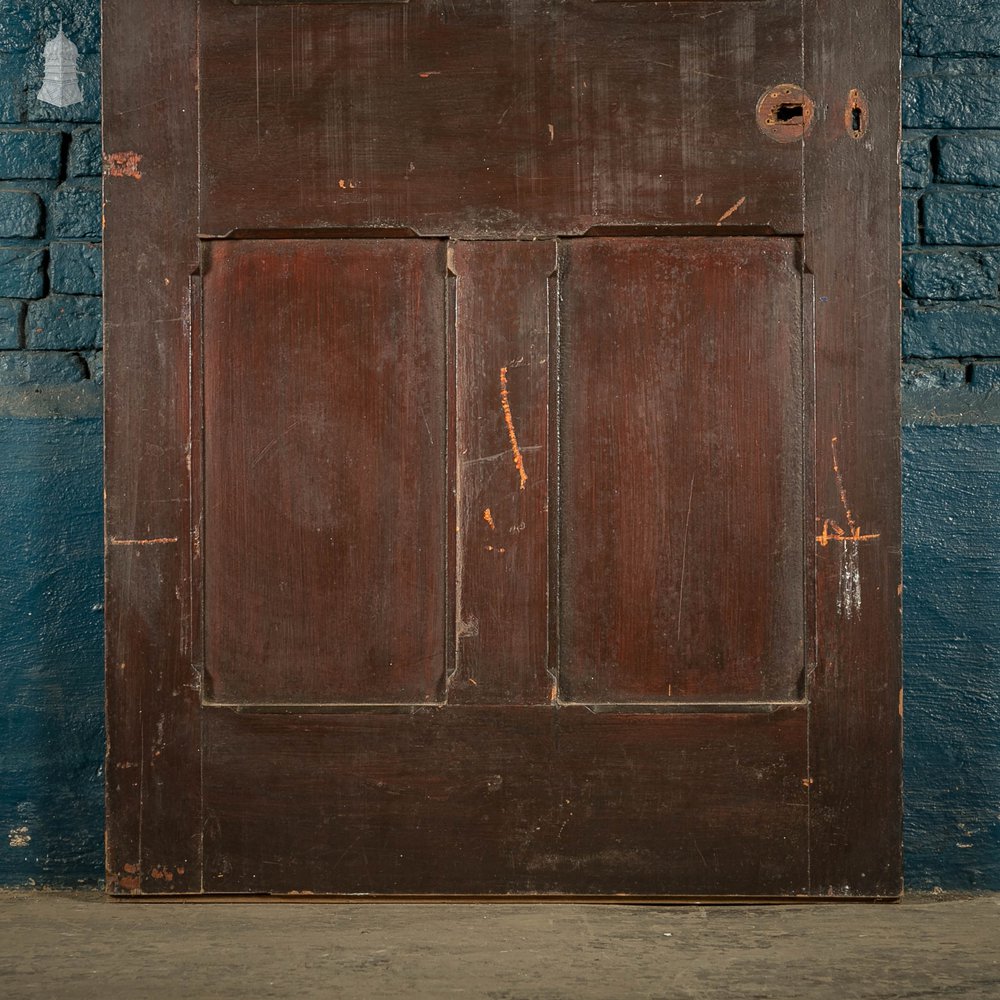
(732,210)
(19,836)
(849,590)
(124,164)
(488,518)
(143,541)
(511,433)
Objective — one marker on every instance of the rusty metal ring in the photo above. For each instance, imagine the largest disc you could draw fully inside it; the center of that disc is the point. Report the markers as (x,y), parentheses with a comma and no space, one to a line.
(785,113)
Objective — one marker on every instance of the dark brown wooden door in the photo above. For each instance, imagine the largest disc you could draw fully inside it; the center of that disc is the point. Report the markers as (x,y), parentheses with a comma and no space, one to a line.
(502,476)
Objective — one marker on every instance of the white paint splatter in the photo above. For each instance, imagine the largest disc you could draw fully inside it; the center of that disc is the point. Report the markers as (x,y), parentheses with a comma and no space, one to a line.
(19,836)
(61,84)
(849,594)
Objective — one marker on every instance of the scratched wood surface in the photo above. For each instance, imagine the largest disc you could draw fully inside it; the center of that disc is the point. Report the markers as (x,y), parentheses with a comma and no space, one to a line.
(504,324)
(324,472)
(851,248)
(512,118)
(681,470)
(154,829)
(453,551)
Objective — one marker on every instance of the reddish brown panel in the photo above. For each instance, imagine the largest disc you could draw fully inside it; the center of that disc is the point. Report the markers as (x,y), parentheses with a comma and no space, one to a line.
(470,800)
(150,249)
(502,313)
(514,118)
(852,249)
(680,470)
(325,471)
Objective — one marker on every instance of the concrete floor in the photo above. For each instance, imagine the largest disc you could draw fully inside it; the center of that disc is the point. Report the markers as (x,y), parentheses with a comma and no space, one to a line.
(79,945)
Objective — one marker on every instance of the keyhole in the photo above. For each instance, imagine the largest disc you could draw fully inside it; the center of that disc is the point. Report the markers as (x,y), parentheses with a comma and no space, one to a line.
(856,114)
(788,113)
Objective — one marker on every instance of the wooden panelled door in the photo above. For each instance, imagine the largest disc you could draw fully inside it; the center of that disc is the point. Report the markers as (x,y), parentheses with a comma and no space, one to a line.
(502,448)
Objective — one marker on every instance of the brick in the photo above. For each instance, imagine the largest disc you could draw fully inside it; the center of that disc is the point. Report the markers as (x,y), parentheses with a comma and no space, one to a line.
(962,218)
(20,214)
(63,322)
(971,159)
(95,365)
(969,100)
(915,162)
(76,211)
(909,219)
(959,27)
(30,153)
(985,376)
(28,26)
(85,153)
(950,274)
(75,268)
(11,321)
(13,88)
(41,368)
(933,375)
(22,272)
(956,331)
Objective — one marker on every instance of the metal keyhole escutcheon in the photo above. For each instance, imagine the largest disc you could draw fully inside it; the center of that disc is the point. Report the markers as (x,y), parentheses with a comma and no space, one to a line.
(785,112)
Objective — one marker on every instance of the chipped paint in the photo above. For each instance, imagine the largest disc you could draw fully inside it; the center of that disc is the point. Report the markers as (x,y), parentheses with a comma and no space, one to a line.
(732,210)
(511,433)
(849,590)
(143,541)
(19,836)
(124,164)
(488,518)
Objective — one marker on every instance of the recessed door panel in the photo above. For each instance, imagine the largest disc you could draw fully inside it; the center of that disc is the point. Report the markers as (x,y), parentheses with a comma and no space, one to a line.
(324,473)
(681,407)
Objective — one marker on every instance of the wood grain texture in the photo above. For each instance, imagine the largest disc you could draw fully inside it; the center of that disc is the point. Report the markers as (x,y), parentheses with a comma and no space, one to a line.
(150,249)
(503,331)
(514,118)
(681,470)
(852,249)
(325,477)
(517,801)
(348,380)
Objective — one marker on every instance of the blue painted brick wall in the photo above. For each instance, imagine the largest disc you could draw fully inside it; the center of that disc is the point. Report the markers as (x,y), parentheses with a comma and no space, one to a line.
(50,370)
(51,601)
(50,199)
(950,163)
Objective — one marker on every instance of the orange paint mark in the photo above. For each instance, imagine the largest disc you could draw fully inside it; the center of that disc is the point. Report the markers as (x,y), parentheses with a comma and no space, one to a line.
(699,199)
(124,164)
(509,420)
(473,682)
(488,518)
(143,541)
(348,184)
(807,782)
(833,532)
(430,72)
(730,211)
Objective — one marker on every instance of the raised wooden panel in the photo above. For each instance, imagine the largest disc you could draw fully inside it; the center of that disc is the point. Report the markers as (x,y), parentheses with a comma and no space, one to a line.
(325,395)
(513,118)
(681,470)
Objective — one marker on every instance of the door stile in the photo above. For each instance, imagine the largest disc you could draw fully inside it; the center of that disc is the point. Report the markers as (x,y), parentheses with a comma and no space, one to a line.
(852,249)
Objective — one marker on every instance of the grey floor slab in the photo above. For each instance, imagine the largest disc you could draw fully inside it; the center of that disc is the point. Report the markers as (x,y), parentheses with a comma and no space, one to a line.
(83,946)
